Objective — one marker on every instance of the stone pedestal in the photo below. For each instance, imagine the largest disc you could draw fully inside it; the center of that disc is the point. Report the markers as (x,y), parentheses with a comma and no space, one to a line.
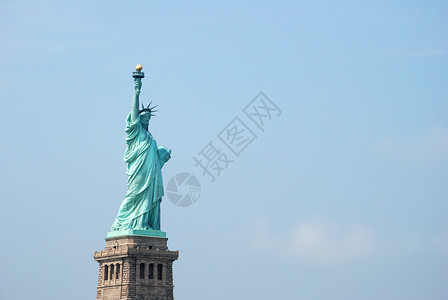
(135,268)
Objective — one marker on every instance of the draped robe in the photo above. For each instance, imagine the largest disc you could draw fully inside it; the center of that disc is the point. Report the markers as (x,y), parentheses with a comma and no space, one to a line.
(140,208)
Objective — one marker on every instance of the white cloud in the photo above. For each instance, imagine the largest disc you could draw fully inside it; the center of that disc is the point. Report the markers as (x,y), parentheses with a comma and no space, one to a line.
(429,146)
(316,241)
(417,53)
(433,243)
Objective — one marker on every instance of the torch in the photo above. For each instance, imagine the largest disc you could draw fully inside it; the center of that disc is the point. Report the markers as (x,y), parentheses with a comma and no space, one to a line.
(138,73)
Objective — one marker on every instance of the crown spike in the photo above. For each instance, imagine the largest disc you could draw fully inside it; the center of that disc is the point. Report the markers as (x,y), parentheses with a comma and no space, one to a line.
(148,109)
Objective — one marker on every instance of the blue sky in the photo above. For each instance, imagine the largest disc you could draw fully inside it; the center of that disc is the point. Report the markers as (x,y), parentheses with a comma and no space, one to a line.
(343,196)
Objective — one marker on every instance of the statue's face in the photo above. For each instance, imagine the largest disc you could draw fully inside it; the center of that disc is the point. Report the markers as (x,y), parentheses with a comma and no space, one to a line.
(144,117)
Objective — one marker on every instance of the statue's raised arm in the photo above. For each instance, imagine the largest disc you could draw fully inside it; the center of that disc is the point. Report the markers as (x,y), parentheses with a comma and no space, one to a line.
(135,100)
(137,87)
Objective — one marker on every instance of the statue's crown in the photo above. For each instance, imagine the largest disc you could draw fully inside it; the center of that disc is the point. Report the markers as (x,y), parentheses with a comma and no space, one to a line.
(148,109)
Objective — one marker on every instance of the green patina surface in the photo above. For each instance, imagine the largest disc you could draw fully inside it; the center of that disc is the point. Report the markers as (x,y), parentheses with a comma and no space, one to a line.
(139,213)
(156,233)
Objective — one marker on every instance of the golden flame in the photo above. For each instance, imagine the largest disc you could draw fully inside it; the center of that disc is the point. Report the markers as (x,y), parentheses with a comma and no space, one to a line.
(139,67)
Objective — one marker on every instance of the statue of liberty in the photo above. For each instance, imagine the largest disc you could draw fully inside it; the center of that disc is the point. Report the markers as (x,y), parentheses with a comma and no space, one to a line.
(139,212)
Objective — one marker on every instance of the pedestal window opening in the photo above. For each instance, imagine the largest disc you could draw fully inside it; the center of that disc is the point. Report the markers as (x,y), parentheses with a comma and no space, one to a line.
(142,271)
(106,272)
(159,271)
(151,271)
